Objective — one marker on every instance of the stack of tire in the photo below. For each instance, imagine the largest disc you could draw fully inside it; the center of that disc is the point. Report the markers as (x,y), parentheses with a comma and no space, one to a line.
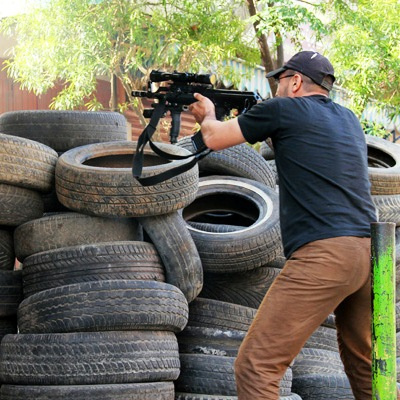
(126,287)
(97,321)
(26,171)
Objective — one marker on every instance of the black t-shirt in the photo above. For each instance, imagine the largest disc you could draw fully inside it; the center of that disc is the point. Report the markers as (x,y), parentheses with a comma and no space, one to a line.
(321,159)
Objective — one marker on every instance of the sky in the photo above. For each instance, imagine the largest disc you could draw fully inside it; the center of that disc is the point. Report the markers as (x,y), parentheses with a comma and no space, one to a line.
(11,7)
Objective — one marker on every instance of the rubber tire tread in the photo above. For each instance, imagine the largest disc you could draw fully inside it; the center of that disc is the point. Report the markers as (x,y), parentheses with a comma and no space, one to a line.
(206,374)
(209,313)
(266,151)
(214,227)
(26,163)
(241,161)
(127,391)
(388,208)
(7,255)
(196,396)
(317,387)
(89,358)
(110,192)
(323,338)
(68,229)
(10,292)
(63,130)
(246,288)
(183,267)
(213,375)
(19,205)
(316,361)
(132,260)
(104,306)
(384,181)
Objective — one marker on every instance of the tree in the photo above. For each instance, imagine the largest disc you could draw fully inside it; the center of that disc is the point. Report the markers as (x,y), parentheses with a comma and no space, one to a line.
(361,38)
(75,41)
(280,20)
(365,48)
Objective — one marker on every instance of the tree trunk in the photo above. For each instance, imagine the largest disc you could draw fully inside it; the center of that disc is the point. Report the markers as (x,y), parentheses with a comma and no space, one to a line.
(280,50)
(263,45)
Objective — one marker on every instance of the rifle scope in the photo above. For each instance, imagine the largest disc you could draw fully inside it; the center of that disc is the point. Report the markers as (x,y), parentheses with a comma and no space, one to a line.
(183,77)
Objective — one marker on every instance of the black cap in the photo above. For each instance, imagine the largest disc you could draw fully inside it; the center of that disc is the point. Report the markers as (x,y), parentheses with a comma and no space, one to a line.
(311,64)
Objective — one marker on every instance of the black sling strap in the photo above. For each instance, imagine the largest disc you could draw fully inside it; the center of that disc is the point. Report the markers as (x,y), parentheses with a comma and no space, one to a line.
(145,138)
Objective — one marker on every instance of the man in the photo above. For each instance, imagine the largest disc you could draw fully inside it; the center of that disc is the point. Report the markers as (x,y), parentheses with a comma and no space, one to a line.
(325,211)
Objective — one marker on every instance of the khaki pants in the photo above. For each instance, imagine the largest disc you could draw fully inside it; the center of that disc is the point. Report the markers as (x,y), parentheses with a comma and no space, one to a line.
(321,277)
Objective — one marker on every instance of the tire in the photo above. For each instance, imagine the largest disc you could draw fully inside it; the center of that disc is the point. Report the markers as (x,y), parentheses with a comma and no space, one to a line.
(26,163)
(19,205)
(7,255)
(89,358)
(104,306)
(196,396)
(206,374)
(64,130)
(212,341)
(178,251)
(10,292)
(388,208)
(315,361)
(274,169)
(279,262)
(127,391)
(246,288)
(101,261)
(248,203)
(384,166)
(97,179)
(71,229)
(214,375)
(317,387)
(330,321)
(218,228)
(209,313)
(323,338)
(266,151)
(241,161)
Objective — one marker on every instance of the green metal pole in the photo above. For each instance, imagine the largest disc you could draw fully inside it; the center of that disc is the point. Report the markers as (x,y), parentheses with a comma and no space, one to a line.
(384,386)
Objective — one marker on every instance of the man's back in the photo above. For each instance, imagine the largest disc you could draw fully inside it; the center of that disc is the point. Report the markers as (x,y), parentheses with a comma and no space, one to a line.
(321,157)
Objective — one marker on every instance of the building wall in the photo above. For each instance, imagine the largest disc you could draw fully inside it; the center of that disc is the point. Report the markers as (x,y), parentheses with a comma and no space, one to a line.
(13,98)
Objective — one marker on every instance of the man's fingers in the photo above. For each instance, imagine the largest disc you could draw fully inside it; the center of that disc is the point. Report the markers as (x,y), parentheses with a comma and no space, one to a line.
(198,96)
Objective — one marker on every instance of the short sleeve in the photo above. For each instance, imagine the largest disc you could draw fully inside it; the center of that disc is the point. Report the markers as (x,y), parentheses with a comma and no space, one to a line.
(261,121)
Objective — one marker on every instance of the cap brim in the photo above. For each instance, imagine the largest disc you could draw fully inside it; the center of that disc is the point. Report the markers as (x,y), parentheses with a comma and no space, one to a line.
(275,72)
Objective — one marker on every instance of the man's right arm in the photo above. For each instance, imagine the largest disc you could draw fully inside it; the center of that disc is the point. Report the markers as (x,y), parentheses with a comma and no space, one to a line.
(217,135)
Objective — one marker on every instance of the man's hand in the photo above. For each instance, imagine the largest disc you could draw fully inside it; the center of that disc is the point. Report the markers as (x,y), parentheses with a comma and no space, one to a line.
(203,109)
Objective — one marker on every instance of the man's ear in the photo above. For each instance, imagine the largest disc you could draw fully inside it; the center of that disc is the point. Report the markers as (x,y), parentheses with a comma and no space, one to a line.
(296,84)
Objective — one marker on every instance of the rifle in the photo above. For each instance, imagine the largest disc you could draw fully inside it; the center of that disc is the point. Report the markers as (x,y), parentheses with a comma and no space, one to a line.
(175,98)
